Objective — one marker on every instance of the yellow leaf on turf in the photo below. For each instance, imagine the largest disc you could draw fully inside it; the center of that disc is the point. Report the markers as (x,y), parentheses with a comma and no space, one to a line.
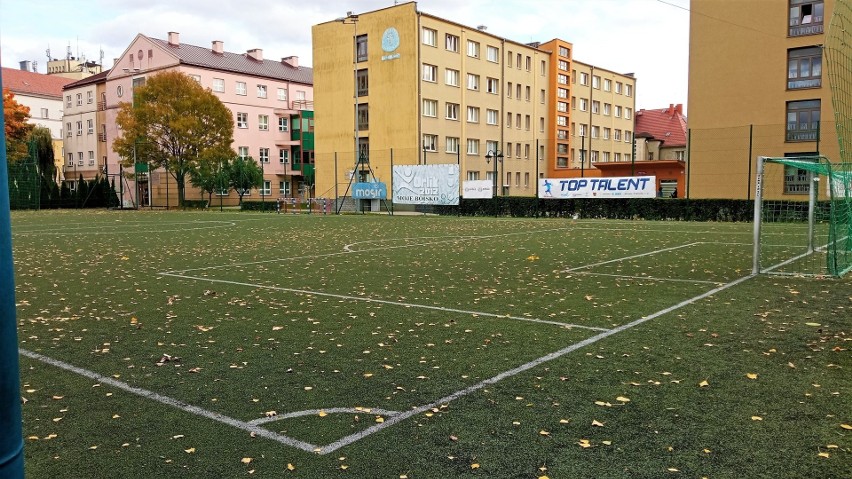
(344,467)
(596,423)
(474,465)
(544,433)
(245,460)
(380,419)
(584,443)
(703,384)
(291,467)
(672,469)
(190,450)
(756,418)
(751,375)
(606,443)
(846,426)
(622,399)
(813,324)
(824,454)
(564,421)
(322,414)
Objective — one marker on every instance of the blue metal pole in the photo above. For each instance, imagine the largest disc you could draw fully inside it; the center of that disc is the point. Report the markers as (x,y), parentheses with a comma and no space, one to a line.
(12,436)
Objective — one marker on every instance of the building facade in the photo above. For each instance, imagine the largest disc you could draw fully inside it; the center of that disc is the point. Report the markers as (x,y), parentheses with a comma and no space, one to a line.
(84,120)
(271,100)
(767,95)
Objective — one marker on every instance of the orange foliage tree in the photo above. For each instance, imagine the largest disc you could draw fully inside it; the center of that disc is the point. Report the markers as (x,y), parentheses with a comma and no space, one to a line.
(17,129)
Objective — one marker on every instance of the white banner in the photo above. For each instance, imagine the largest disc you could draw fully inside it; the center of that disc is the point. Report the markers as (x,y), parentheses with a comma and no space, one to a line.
(426,184)
(477,189)
(614,187)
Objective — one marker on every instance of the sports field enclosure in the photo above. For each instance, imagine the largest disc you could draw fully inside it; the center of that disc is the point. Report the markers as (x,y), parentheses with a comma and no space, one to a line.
(208,344)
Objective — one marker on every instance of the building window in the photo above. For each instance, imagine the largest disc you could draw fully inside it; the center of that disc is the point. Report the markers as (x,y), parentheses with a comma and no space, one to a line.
(617,156)
(518,61)
(596,82)
(584,104)
(528,93)
(596,106)
(67,101)
(452,145)
(492,54)
(91,158)
(70,159)
(68,132)
(628,90)
(472,147)
(197,78)
(628,136)
(528,63)
(596,130)
(607,84)
(263,122)
(562,79)
(89,97)
(562,92)
(44,113)
(452,43)
(606,133)
(518,91)
(472,49)
(584,78)
(563,65)
(562,120)
(680,155)
(79,129)
(430,108)
(491,145)
(283,156)
(90,127)
(618,87)
(363,81)
(300,95)
(527,151)
(542,96)
(628,113)
(543,68)
(562,106)
(518,121)
(492,85)
(267,188)
(607,109)
(430,73)
(284,188)
(361,48)
(363,116)
(263,155)
(803,120)
(473,114)
(243,152)
(219,84)
(241,88)
(430,37)
(806,17)
(491,117)
(562,149)
(452,112)
(583,129)
(261,91)
(617,111)
(561,162)
(472,82)
(616,135)
(80,159)
(564,52)
(430,142)
(527,121)
(605,156)
(283,123)
(509,59)
(561,134)
(451,77)
(804,68)
(242,120)
(472,175)
(541,124)
(282,94)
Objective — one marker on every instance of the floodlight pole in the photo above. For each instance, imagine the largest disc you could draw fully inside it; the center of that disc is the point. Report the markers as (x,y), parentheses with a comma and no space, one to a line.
(12,439)
(758,213)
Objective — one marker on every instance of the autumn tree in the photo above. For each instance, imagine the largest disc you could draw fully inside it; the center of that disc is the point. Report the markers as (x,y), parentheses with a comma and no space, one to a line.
(174,123)
(17,129)
(243,175)
(210,177)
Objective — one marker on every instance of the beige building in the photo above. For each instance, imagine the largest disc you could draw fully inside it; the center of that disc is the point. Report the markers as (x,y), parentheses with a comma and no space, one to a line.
(429,91)
(603,105)
(85,129)
(74,68)
(766,95)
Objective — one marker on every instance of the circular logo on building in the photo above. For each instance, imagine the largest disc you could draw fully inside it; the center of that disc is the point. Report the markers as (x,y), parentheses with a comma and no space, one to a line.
(390,40)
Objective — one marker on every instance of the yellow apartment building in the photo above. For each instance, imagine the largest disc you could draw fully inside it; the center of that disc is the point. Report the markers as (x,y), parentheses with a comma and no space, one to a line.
(428,91)
(757,87)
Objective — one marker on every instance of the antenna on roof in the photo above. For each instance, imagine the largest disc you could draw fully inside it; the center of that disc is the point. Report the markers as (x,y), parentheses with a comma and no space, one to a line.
(47,52)
(102,57)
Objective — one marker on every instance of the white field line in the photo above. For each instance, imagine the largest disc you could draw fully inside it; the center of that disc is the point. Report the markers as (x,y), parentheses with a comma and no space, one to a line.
(107,229)
(316,412)
(649,253)
(384,301)
(524,367)
(257,430)
(650,278)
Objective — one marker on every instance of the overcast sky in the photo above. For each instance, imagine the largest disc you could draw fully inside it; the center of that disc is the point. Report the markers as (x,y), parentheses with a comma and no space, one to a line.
(649,38)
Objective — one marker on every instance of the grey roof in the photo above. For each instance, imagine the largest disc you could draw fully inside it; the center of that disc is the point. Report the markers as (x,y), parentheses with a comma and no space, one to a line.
(237,63)
(96,78)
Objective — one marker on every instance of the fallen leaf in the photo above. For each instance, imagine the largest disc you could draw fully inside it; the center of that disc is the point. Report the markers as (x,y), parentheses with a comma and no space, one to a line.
(751,375)
(813,324)
(846,426)
(756,418)
(596,423)
(475,465)
(622,399)
(190,450)
(584,443)
(322,414)
(380,419)
(245,460)
(564,421)
(703,384)
(544,433)
(291,467)
(606,443)
(824,454)
(673,469)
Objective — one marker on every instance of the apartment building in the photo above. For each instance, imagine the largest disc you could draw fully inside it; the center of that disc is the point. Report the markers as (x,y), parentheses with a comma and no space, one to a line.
(410,88)
(84,118)
(766,95)
(271,100)
(603,103)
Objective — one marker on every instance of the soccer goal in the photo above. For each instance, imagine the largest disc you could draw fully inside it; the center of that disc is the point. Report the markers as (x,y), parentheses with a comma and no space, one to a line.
(794,236)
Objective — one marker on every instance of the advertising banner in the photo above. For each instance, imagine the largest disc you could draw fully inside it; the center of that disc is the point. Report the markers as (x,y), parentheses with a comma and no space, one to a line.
(369,191)
(615,187)
(477,189)
(426,184)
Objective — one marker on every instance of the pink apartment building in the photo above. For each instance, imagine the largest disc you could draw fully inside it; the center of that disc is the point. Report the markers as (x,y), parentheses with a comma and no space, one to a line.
(272,104)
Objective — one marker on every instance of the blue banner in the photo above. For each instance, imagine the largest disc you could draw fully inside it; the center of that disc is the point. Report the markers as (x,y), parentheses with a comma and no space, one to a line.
(369,191)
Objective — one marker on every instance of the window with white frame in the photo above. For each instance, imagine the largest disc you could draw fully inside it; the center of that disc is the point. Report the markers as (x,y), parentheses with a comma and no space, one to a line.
(430,108)
(300,95)
(472,82)
(492,85)
(472,175)
(563,65)
(607,84)
(283,156)
(491,145)
(618,87)
(67,101)
(219,84)
(90,127)
(616,156)
(452,144)
(263,155)
(628,136)
(491,116)
(430,142)
(584,104)
(68,131)
(582,129)
(605,156)
(241,88)
(452,111)
(472,146)
(243,152)
(596,82)
(561,134)
(492,54)
(197,78)
(628,113)
(473,114)
(628,90)
(44,113)
(284,188)
(562,106)
(242,120)
(430,73)
(562,120)
(283,123)
(430,37)
(80,158)
(472,49)
(616,134)
(617,111)
(451,77)
(79,128)
(452,43)
(607,109)
(596,106)
(606,133)
(562,92)
(266,190)
(282,94)
(70,159)
(596,131)
(562,79)
(261,91)
(594,156)
(561,149)
(584,78)
(90,97)
(91,158)
(263,122)
(79,99)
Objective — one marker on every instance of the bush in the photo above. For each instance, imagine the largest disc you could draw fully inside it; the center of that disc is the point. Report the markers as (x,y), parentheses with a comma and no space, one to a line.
(194,204)
(259,205)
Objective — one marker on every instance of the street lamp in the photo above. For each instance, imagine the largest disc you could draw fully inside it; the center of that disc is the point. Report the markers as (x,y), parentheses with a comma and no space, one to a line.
(497,156)
(352,19)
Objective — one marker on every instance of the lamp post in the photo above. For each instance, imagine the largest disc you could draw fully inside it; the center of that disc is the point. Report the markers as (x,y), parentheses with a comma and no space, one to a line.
(583,157)
(497,156)
(352,18)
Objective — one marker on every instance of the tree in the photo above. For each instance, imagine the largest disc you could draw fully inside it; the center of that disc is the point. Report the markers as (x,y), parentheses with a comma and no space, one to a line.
(210,177)
(17,129)
(174,123)
(42,142)
(243,175)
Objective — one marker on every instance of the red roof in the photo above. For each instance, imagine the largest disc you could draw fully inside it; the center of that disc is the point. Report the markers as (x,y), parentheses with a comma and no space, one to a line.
(667,125)
(22,82)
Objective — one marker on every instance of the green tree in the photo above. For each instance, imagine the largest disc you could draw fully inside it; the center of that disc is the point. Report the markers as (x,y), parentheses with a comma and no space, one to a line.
(174,123)
(210,177)
(42,142)
(243,175)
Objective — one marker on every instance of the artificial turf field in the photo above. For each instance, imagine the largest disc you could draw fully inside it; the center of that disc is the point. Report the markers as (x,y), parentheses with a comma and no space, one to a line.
(208,344)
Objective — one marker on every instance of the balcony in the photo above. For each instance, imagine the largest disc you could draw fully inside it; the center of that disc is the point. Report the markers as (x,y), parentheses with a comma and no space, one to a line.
(102,137)
(102,105)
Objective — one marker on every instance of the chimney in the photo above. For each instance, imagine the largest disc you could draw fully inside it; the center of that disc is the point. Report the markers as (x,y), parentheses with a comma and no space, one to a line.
(679,108)
(218,47)
(174,39)
(293,61)
(256,54)
(671,110)
(26,65)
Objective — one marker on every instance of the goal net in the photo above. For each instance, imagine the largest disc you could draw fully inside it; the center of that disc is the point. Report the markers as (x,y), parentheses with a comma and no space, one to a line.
(803,217)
